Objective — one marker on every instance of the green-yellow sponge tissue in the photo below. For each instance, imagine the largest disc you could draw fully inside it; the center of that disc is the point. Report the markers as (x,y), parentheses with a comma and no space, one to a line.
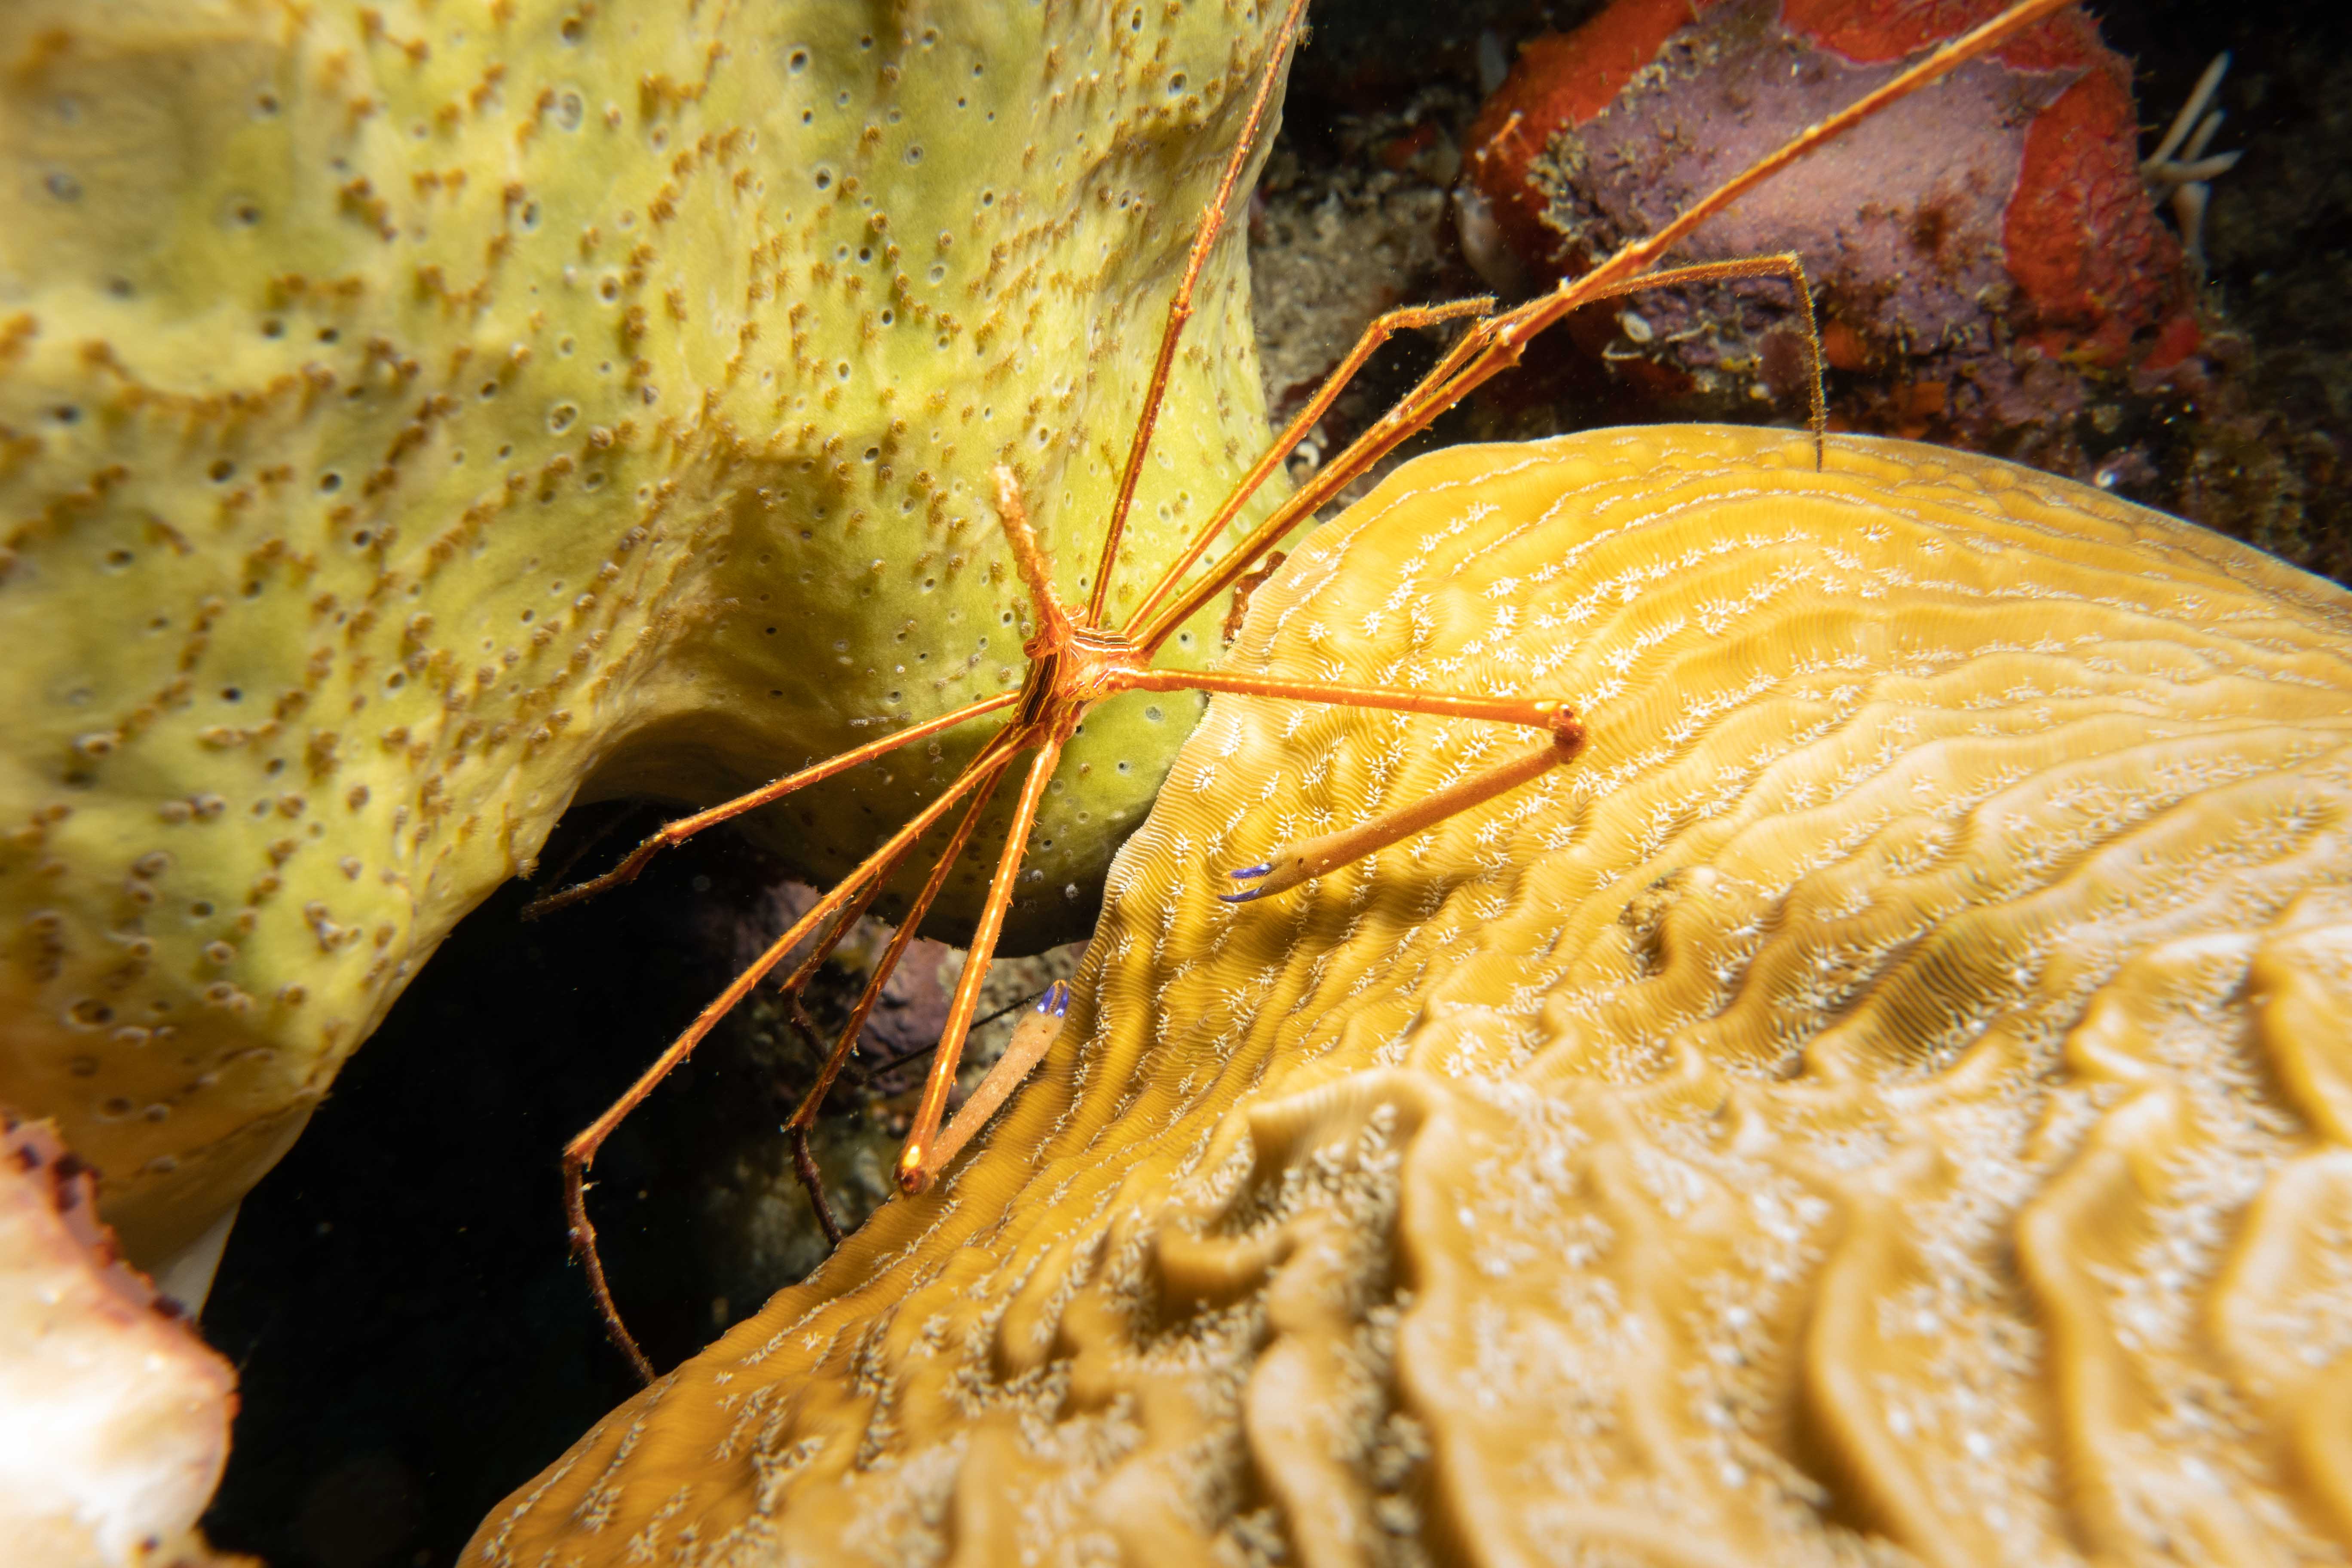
(415,419)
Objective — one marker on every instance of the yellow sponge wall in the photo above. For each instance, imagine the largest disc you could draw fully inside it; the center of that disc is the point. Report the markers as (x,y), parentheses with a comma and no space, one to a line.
(1892,1093)
(415,416)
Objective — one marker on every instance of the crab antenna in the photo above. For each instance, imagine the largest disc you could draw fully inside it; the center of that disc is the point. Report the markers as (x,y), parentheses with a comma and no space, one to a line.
(1180,310)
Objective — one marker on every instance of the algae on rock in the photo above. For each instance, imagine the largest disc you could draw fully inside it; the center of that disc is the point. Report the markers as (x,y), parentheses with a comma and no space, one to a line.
(414,417)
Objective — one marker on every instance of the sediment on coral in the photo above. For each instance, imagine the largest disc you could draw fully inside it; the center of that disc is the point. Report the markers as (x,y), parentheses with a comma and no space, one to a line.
(412,421)
(1888,1097)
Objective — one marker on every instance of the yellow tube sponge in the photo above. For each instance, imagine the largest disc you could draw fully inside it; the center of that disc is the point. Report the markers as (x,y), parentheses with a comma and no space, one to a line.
(1889,1097)
(414,417)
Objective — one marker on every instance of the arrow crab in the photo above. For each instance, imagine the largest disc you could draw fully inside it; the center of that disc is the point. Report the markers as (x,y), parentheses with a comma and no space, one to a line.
(1076,659)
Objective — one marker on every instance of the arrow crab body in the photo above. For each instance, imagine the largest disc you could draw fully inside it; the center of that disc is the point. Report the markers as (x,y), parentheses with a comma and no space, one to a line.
(1076,660)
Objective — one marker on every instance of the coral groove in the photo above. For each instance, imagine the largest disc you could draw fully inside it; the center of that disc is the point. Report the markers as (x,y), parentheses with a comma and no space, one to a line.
(1886,1102)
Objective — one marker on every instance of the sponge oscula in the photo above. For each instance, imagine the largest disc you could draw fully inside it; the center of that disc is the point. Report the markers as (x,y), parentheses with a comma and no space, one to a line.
(1890,1095)
(413,418)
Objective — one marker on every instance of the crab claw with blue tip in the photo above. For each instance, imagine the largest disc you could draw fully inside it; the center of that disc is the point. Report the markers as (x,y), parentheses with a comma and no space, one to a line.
(1037,1030)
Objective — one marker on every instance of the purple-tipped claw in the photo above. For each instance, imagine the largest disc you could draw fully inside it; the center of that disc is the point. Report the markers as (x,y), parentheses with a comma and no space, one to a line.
(1247,874)
(1056,999)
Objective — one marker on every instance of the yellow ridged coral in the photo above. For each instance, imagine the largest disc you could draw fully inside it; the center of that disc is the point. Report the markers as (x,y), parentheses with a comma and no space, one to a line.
(412,417)
(1889,1101)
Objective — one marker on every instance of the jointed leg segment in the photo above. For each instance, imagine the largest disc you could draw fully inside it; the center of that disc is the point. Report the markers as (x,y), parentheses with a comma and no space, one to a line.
(804,1115)
(1381,331)
(686,828)
(918,1163)
(1179,309)
(581,1152)
(1540,713)
(1309,858)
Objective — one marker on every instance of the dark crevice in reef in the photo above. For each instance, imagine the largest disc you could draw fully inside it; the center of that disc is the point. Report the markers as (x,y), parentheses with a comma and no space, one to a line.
(411,1340)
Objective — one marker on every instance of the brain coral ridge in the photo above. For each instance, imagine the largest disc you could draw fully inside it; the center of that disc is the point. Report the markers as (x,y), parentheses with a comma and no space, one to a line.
(1889,1101)
(414,418)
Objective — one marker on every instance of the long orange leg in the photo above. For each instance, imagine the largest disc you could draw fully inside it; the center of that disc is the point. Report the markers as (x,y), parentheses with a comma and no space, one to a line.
(1286,867)
(796,1014)
(686,828)
(918,1163)
(1543,713)
(581,1152)
(1447,384)
(1381,331)
(1292,864)
(1495,345)
(804,1115)
(1148,630)
(796,984)
(1179,309)
(1309,858)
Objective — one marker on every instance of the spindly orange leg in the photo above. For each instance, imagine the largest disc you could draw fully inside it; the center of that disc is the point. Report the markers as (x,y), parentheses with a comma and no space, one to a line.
(580,1155)
(804,1115)
(1075,662)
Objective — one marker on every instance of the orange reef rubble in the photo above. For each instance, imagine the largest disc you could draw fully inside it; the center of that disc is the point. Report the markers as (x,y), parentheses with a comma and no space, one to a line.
(1978,252)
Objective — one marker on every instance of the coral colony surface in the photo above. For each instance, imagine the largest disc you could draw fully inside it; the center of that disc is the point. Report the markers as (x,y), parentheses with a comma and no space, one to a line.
(1889,1097)
(414,419)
